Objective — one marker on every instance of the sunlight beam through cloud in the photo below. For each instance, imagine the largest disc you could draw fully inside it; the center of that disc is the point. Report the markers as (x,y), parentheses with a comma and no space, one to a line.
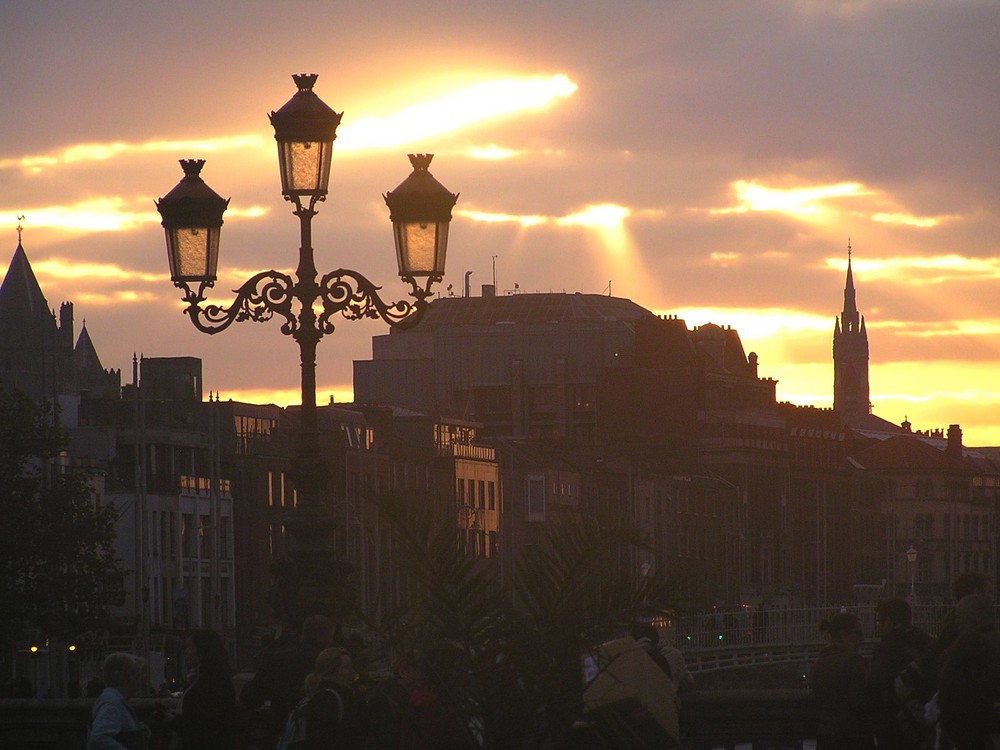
(108,214)
(446,114)
(798,201)
(91,152)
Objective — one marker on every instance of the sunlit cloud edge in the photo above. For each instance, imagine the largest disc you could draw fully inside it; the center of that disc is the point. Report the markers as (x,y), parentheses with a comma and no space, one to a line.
(818,203)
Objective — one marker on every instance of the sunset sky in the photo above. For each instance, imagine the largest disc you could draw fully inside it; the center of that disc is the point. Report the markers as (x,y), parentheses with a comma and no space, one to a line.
(705,159)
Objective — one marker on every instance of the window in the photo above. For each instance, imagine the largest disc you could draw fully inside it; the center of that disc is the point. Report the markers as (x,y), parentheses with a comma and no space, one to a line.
(153,547)
(535,497)
(188,535)
(205,532)
(173,534)
(224,551)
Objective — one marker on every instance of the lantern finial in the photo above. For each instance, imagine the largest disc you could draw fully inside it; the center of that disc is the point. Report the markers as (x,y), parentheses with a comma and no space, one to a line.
(420,162)
(192,167)
(305,81)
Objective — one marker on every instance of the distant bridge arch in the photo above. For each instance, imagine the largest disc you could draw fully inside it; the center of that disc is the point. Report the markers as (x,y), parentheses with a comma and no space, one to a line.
(745,636)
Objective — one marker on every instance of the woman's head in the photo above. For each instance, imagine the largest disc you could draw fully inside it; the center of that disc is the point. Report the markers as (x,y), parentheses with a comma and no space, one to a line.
(123,672)
(842,627)
(206,653)
(331,664)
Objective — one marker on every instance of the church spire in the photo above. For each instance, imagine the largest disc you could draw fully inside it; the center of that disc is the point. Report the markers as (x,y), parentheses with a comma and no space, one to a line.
(849,319)
(850,354)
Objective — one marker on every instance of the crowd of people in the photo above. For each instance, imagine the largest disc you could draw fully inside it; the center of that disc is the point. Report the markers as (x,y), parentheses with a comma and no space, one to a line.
(303,696)
(917,691)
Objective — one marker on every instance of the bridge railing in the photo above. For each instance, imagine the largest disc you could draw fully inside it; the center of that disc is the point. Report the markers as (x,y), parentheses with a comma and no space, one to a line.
(753,628)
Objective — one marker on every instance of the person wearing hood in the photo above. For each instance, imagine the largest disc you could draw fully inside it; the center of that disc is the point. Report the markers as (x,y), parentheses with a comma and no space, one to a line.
(970,678)
(838,681)
(901,643)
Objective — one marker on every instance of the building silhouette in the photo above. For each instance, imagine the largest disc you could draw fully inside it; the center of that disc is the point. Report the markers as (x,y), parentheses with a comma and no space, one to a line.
(502,414)
(38,355)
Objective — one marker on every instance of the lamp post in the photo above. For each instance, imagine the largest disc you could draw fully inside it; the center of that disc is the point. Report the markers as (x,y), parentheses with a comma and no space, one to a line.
(911,563)
(420,212)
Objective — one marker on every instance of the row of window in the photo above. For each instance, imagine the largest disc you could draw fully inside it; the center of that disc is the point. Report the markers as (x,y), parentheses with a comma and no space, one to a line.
(479,543)
(967,527)
(280,493)
(474,493)
(196,535)
(191,605)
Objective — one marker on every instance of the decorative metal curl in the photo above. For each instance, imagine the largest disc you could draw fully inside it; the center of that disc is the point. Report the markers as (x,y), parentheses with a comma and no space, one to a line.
(259,298)
(355,297)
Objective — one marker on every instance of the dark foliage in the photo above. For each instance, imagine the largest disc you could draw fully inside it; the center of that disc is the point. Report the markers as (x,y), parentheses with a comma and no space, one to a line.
(506,655)
(56,554)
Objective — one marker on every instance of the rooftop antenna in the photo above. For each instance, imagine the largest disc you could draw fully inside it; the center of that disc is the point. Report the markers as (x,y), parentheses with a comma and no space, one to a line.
(20,229)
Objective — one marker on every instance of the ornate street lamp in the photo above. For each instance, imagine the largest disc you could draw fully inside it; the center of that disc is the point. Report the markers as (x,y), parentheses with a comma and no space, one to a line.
(420,211)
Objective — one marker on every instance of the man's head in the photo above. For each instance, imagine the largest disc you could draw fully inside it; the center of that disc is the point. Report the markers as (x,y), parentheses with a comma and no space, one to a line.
(644,630)
(971,583)
(893,613)
(318,630)
(124,672)
(974,614)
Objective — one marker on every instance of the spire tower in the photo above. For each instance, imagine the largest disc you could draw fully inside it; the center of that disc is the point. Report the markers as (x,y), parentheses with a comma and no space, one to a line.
(851,395)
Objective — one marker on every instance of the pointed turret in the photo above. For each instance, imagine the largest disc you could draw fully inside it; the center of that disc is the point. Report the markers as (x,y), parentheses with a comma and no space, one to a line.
(21,297)
(36,354)
(90,373)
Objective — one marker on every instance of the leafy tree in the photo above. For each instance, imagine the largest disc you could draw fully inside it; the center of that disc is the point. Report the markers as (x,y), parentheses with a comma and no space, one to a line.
(55,545)
(506,656)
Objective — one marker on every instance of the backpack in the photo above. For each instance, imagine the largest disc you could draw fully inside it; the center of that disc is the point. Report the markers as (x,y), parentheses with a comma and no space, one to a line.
(294,735)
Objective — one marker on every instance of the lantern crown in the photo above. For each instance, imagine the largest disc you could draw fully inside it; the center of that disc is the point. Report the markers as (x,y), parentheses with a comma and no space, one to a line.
(420,197)
(305,117)
(192,203)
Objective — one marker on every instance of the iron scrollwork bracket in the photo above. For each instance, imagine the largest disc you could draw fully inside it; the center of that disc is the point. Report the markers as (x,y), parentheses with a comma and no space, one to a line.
(262,296)
(355,297)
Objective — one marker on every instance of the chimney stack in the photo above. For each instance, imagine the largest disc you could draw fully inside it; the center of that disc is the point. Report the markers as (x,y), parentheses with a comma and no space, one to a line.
(954,447)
